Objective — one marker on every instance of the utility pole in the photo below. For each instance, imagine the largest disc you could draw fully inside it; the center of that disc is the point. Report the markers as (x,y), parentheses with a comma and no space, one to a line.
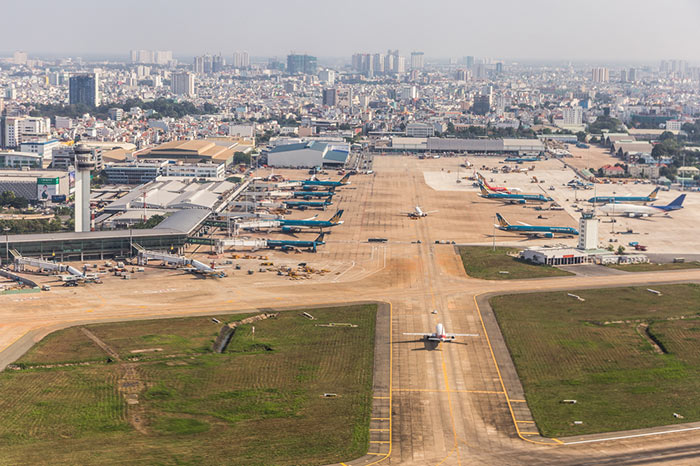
(494,233)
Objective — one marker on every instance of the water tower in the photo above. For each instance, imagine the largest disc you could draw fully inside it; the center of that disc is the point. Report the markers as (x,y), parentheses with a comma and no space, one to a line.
(84,164)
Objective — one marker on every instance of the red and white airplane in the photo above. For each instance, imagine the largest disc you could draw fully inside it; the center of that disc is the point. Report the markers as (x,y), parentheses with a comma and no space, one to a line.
(441,335)
(496,189)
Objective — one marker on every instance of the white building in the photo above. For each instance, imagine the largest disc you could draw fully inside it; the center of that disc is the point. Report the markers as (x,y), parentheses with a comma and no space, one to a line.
(419,130)
(43,149)
(196,170)
(417,62)
(63,122)
(409,93)
(674,125)
(183,83)
(327,77)
(572,116)
(600,75)
(241,59)
(588,232)
(19,160)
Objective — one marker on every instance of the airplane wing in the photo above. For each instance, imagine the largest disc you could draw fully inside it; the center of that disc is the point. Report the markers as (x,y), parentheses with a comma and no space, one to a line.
(525,224)
(419,334)
(311,218)
(462,334)
(432,211)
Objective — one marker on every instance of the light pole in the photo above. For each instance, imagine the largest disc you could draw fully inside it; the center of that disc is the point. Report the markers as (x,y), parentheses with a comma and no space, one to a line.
(494,233)
(7,244)
(613,215)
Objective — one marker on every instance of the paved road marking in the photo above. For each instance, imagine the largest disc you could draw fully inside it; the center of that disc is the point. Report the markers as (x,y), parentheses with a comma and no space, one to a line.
(438,390)
(503,385)
(621,437)
(391,381)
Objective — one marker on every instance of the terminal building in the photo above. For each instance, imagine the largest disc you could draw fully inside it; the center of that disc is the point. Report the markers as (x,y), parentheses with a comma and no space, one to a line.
(309,154)
(498,147)
(36,185)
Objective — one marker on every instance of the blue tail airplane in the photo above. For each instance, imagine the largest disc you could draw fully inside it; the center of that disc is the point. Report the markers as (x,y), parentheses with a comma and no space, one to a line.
(534,230)
(618,199)
(522,159)
(513,198)
(289,226)
(287,245)
(307,204)
(327,183)
(311,194)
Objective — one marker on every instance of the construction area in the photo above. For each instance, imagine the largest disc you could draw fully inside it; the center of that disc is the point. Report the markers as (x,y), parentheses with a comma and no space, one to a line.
(459,404)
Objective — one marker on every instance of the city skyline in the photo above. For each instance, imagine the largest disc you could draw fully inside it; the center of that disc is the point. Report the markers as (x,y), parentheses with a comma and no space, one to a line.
(539,30)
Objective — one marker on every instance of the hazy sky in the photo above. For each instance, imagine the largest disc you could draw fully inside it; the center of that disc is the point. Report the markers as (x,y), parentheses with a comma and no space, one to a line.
(597,30)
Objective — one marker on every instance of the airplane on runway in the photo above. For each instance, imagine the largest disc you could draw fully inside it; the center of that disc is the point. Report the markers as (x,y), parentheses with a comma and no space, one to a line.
(513,198)
(289,226)
(496,189)
(635,210)
(307,204)
(615,199)
(288,245)
(533,230)
(417,212)
(327,183)
(441,335)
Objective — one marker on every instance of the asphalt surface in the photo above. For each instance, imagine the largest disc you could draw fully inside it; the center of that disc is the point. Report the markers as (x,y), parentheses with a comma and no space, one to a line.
(456,403)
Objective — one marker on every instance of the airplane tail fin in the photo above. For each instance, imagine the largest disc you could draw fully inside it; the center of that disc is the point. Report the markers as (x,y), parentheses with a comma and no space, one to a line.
(480,176)
(502,221)
(483,189)
(331,189)
(654,194)
(345,178)
(336,217)
(320,237)
(677,202)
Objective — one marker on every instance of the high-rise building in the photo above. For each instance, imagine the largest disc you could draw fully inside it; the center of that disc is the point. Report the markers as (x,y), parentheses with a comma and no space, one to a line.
(84,164)
(572,116)
(482,104)
(600,75)
(417,61)
(305,64)
(327,77)
(409,93)
(330,97)
(399,64)
(84,89)
(19,58)
(217,63)
(469,61)
(499,67)
(198,65)
(182,83)
(463,75)
(378,63)
(241,59)
(163,57)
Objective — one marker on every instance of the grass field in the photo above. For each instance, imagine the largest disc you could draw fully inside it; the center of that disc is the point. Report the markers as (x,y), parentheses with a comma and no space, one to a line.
(652,267)
(485,263)
(598,353)
(259,403)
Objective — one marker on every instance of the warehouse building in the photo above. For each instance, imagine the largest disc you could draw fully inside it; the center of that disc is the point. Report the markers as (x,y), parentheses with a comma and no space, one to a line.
(498,147)
(213,150)
(309,154)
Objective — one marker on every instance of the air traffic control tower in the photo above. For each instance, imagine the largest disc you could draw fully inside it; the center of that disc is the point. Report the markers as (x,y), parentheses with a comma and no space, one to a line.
(84,164)
(588,232)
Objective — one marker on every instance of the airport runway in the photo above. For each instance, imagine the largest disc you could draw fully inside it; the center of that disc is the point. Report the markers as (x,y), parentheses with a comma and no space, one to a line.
(453,405)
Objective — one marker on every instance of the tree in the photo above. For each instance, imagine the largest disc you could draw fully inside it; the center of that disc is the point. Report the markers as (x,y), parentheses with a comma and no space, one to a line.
(620,249)
(241,157)
(150,223)
(581,136)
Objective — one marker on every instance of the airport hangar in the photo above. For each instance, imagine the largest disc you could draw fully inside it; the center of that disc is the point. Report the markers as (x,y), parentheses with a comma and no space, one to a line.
(309,154)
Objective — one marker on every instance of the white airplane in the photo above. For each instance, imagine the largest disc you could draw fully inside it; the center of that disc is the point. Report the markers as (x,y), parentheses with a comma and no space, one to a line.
(418,212)
(441,335)
(636,210)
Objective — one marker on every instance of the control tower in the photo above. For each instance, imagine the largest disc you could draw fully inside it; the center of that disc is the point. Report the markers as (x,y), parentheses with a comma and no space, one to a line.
(588,231)
(84,164)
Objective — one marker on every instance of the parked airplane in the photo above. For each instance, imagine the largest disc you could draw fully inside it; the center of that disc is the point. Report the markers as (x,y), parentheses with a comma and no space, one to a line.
(522,159)
(311,194)
(307,204)
(328,183)
(533,230)
(289,225)
(513,198)
(496,189)
(608,199)
(441,335)
(287,245)
(417,212)
(636,210)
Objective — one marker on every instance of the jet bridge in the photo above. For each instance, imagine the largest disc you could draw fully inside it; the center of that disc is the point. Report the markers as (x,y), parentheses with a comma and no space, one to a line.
(253,244)
(196,266)
(43,265)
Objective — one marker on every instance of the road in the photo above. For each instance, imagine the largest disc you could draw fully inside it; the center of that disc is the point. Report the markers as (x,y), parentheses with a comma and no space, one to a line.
(452,405)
